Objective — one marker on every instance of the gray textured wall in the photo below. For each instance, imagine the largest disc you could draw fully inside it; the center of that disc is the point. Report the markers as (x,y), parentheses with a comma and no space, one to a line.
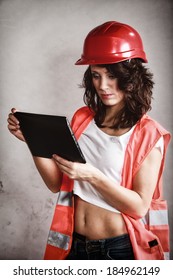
(39,42)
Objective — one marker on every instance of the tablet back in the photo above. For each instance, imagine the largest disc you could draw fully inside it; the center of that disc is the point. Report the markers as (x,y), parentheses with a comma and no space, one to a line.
(47,135)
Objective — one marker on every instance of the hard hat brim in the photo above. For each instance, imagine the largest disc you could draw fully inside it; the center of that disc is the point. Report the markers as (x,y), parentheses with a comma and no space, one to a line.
(116,58)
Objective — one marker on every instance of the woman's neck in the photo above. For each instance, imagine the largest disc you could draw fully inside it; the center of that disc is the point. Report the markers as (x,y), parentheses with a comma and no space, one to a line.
(110,121)
(111,113)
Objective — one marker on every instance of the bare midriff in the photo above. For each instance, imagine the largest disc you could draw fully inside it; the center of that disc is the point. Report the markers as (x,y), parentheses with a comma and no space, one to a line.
(97,223)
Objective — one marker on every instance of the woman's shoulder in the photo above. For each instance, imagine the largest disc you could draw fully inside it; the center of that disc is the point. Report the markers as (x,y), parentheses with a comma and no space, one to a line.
(83,112)
(149,124)
(82,115)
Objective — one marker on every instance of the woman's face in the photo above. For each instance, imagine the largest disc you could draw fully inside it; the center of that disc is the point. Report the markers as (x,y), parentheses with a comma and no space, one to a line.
(106,86)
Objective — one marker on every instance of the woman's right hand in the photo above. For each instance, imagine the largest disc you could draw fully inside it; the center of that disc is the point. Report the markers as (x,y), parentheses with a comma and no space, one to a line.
(14,126)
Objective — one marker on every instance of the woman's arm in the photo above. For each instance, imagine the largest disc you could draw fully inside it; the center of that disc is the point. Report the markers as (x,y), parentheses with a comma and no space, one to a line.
(50,173)
(133,202)
(47,168)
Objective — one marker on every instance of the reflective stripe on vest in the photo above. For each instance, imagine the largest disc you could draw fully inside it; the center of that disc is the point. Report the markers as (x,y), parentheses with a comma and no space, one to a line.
(58,239)
(167,255)
(65,198)
(156,218)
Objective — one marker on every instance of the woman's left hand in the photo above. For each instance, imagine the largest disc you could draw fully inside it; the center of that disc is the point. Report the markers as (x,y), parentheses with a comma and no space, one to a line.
(75,170)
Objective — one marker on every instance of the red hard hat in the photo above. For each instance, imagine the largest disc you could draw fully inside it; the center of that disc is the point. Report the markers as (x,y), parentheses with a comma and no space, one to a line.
(111,42)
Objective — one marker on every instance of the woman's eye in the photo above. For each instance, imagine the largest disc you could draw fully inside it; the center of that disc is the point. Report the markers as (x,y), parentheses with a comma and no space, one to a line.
(95,76)
(112,77)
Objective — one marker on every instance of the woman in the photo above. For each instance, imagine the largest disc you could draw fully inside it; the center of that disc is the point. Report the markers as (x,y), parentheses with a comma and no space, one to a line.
(124,149)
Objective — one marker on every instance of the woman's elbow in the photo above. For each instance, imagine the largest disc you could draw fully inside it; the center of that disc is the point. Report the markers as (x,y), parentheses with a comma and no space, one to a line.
(54,187)
(53,190)
(139,213)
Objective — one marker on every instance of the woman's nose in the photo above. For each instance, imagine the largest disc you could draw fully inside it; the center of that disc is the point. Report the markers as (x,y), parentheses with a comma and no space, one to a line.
(103,84)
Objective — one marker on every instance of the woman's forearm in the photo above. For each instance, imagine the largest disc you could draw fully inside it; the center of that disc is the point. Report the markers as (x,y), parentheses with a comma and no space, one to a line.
(123,199)
(49,172)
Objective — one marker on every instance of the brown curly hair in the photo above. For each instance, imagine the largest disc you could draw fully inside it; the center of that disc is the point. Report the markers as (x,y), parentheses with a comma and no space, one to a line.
(135,80)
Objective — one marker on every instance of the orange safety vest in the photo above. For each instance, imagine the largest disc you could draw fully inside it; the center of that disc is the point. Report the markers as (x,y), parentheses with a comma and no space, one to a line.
(149,240)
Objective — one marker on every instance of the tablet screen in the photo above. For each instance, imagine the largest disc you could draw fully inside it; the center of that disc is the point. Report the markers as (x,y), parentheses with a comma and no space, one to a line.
(47,135)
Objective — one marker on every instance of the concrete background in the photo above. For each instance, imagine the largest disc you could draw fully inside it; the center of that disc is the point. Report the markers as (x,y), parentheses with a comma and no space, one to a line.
(39,42)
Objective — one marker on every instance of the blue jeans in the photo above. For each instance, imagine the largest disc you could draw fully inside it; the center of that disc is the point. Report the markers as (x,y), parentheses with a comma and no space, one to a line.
(116,248)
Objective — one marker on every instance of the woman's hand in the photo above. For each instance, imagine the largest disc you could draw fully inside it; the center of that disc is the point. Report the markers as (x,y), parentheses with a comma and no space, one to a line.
(77,171)
(13,125)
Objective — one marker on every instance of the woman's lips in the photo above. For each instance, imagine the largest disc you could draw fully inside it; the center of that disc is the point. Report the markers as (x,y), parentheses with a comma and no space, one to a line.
(106,96)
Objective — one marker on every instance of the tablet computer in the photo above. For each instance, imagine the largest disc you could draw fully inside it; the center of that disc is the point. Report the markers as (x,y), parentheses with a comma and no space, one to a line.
(46,135)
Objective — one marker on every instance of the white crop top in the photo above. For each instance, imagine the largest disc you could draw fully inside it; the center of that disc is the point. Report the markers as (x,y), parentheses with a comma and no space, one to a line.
(107,153)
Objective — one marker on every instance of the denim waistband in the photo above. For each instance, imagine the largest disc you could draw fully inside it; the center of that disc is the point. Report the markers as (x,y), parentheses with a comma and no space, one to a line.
(82,238)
